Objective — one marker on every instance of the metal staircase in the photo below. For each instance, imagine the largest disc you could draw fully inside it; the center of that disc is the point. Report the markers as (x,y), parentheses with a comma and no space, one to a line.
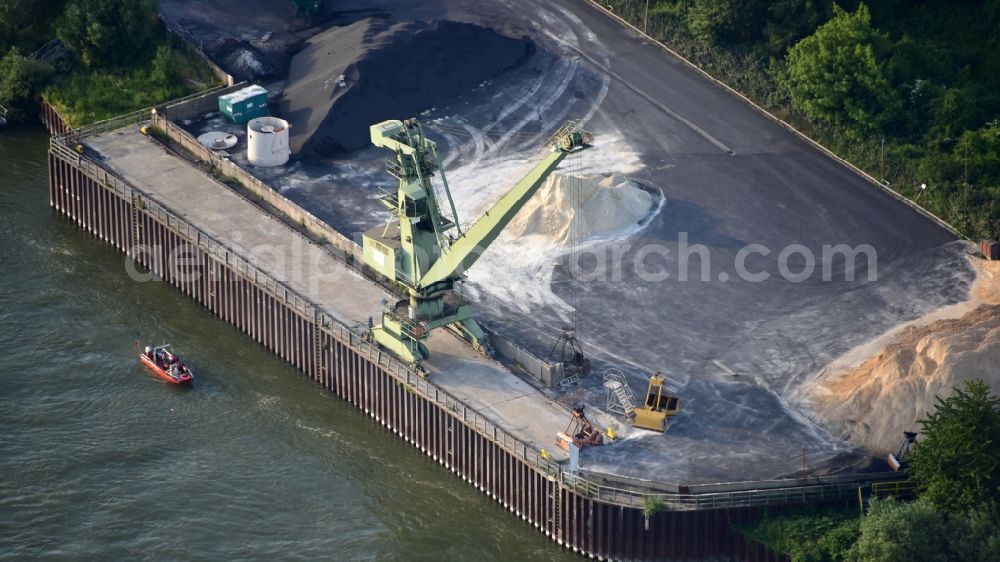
(555,497)
(620,398)
(318,345)
(570,380)
(136,228)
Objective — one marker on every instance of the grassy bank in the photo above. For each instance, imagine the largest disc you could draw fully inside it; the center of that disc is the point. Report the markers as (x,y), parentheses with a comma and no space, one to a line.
(87,95)
(116,57)
(812,535)
(906,93)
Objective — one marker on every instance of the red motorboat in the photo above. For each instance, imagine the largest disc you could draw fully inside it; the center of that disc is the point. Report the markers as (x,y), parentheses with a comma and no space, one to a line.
(166,365)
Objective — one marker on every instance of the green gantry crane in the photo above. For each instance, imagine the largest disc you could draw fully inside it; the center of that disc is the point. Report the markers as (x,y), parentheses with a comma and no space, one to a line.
(416,248)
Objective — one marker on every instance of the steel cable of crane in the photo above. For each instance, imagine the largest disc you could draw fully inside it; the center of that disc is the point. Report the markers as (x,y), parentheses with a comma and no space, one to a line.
(457,130)
(530,163)
(576,204)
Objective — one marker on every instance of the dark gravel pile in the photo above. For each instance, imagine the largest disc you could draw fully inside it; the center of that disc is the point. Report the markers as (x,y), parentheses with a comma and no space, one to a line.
(389,72)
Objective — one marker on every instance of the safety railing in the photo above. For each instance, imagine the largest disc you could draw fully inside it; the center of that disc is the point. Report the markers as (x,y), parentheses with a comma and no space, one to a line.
(793,493)
(899,488)
(113,124)
(133,118)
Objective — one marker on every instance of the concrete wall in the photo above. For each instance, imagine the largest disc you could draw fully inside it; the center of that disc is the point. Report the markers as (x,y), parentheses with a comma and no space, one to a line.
(198,105)
(339,244)
(548,374)
(223,76)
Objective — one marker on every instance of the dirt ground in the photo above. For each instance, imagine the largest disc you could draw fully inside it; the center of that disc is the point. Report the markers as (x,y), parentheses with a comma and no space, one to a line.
(878,391)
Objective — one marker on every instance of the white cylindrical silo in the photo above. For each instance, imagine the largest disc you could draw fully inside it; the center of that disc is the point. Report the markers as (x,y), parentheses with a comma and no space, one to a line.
(267,141)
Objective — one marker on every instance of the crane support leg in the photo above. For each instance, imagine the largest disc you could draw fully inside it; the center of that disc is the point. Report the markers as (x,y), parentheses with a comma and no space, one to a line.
(475,335)
(392,335)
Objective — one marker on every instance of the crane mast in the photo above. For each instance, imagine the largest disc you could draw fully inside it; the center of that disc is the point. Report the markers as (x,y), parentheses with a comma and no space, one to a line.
(417,248)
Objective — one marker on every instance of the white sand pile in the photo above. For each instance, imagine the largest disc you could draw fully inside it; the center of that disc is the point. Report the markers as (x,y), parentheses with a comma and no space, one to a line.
(517,268)
(871,399)
(571,208)
(246,61)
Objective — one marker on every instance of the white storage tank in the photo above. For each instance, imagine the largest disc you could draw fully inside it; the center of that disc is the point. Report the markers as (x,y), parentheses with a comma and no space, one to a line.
(267,141)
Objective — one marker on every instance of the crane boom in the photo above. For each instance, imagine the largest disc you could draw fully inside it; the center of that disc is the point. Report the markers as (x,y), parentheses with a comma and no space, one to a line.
(465,250)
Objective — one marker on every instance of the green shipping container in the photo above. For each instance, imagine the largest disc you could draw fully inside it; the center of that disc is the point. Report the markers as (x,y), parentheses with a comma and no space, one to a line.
(243,105)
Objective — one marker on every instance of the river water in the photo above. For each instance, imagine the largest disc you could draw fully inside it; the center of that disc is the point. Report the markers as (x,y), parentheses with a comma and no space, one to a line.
(101,461)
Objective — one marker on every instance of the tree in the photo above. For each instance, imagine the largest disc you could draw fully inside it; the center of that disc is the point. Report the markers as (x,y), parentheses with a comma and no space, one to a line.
(21,79)
(901,532)
(17,15)
(725,21)
(164,71)
(975,537)
(13,16)
(106,33)
(835,75)
(957,460)
(789,21)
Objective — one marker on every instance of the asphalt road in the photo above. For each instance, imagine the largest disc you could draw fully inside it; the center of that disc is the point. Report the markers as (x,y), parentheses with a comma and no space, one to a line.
(740,352)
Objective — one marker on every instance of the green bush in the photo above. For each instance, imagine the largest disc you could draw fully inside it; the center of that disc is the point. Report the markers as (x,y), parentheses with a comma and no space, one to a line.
(917,531)
(901,532)
(975,537)
(121,59)
(27,23)
(957,460)
(836,75)
(108,33)
(811,535)
(21,79)
(957,518)
(88,95)
(652,506)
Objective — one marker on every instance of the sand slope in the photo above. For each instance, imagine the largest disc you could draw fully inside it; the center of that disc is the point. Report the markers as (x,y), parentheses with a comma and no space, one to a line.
(872,401)
(571,208)
(566,211)
(389,72)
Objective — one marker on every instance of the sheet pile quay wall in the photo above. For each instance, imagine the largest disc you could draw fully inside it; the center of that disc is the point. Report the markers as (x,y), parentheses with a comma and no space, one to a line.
(601,522)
